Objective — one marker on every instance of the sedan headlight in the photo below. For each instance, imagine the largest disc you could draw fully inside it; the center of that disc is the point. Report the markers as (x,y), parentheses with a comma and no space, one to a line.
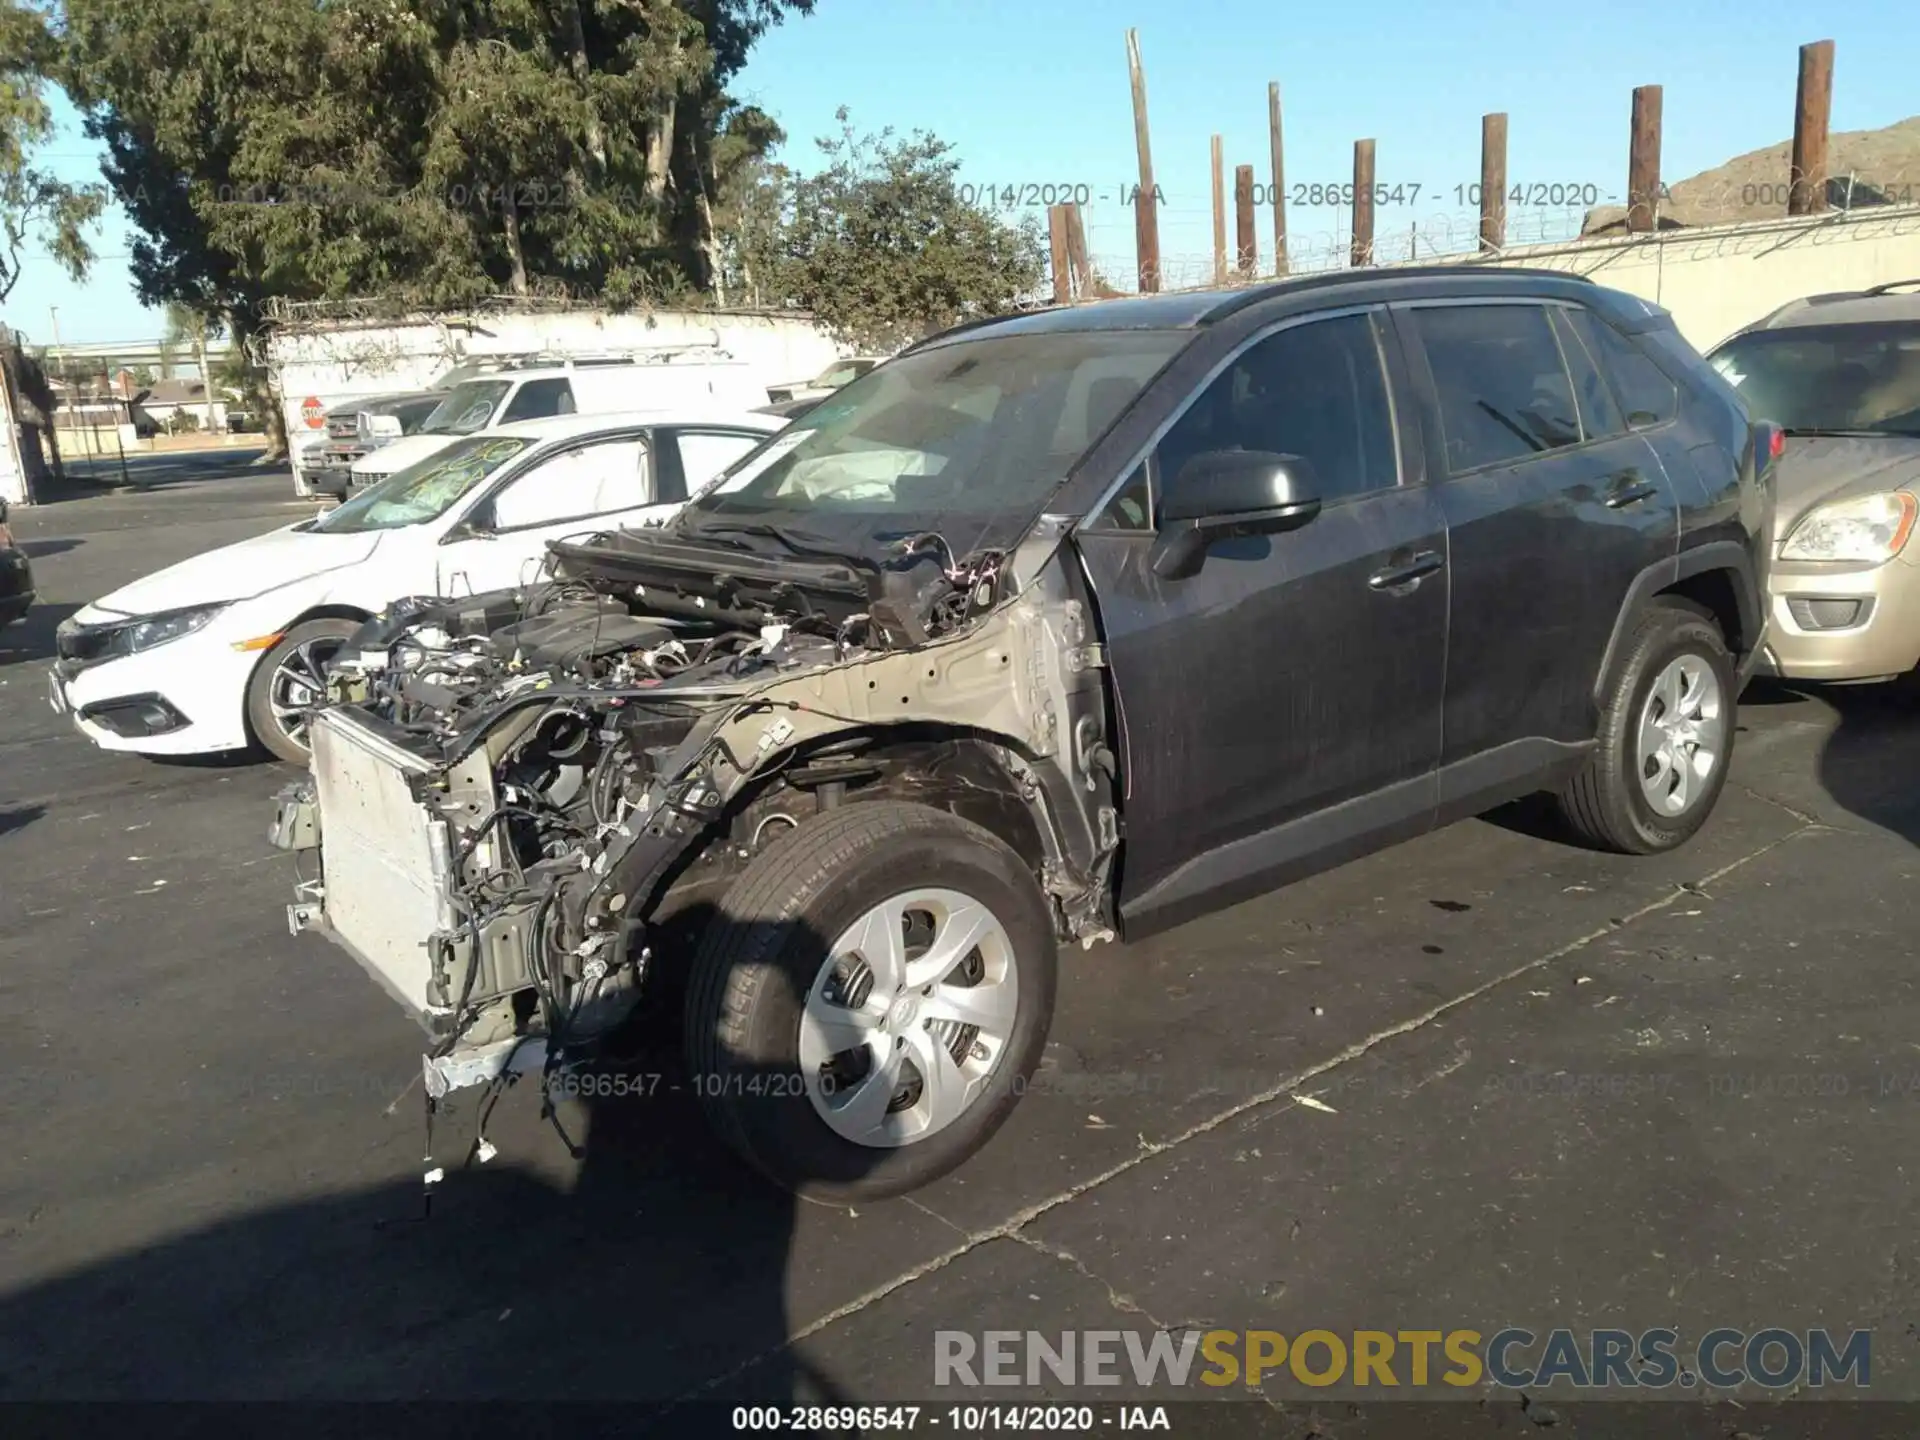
(1865,530)
(159,629)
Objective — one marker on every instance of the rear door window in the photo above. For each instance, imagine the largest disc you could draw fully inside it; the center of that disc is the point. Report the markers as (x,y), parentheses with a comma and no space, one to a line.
(1503,387)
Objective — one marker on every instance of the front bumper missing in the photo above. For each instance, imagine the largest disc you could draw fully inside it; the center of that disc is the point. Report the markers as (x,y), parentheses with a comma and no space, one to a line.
(375,936)
(483,1065)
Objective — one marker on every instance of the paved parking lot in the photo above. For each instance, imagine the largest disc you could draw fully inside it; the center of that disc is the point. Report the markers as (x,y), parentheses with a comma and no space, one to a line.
(1485,1079)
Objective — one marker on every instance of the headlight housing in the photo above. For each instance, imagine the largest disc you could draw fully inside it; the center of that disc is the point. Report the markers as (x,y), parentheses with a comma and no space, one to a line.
(1866,529)
(152,630)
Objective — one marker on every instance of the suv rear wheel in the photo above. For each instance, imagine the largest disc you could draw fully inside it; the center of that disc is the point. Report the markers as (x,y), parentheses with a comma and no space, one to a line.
(865,1011)
(1666,737)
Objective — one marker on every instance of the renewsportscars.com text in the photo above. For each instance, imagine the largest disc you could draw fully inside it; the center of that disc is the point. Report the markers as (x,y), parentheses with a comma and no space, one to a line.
(1511,1358)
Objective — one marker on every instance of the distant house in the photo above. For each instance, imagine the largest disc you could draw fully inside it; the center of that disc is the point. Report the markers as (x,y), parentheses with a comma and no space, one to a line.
(163,400)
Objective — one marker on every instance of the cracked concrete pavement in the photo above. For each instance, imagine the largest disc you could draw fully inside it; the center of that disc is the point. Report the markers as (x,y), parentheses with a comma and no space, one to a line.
(1481,1080)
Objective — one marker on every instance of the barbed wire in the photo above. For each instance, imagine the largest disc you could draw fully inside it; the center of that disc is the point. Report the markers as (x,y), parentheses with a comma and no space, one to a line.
(1540,236)
(547,297)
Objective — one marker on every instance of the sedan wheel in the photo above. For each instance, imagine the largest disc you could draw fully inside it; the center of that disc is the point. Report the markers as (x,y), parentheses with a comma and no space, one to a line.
(289,685)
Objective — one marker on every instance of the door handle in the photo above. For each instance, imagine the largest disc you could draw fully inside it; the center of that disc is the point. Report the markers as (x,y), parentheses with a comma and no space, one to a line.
(1630,488)
(1406,572)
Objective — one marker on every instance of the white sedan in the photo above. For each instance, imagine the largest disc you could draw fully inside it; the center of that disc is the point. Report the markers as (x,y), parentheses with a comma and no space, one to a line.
(226,650)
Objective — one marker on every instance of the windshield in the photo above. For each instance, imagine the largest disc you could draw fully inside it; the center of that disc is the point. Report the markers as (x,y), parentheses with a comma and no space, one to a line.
(412,413)
(467,408)
(460,374)
(967,440)
(424,490)
(1829,377)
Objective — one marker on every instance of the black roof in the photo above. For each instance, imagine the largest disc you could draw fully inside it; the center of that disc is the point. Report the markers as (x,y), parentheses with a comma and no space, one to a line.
(1191,309)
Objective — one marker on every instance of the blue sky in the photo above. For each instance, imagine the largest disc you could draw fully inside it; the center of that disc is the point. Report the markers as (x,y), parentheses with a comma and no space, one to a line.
(1035,93)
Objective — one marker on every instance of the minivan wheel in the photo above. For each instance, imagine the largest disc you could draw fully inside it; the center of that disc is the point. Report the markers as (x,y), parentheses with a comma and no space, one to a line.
(867,1006)
(289,682)
(1665,741)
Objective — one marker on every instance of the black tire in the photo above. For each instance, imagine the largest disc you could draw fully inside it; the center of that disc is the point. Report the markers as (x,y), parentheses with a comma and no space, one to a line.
(260,720)
(762,953)
(1604,803)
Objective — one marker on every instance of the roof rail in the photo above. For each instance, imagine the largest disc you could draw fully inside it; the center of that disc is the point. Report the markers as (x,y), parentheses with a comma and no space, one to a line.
(977,323)
(554,359)
(1889,287)
(1369,274)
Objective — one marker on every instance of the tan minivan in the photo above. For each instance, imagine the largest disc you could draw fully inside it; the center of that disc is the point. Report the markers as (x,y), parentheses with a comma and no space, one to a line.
(1841,375)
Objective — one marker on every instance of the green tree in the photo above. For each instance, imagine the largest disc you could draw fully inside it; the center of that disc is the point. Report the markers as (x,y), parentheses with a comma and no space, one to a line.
(429,156)
(882,248)
(749,207)
(35,205)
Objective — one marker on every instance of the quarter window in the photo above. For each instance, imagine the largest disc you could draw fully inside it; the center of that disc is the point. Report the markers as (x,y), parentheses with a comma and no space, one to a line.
(1647,393)
(1504,391)
(1600,416)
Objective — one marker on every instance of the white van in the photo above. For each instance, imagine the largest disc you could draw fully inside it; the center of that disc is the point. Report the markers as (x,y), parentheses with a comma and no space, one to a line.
(517,391)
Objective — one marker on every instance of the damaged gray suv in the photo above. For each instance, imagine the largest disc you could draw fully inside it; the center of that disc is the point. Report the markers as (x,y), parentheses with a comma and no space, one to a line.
(1059,627)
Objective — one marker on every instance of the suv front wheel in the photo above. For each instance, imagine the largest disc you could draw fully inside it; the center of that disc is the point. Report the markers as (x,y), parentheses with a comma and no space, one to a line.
(867,1006)
(1666,737)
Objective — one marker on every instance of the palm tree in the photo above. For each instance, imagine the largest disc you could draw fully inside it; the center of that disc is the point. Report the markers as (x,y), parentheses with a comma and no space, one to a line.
(186,326)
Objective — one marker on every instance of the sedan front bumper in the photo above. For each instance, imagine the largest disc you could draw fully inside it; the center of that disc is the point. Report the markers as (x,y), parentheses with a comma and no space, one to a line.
(187,697)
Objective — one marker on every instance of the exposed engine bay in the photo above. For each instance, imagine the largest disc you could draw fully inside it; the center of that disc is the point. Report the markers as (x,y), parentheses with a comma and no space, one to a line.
(515,796)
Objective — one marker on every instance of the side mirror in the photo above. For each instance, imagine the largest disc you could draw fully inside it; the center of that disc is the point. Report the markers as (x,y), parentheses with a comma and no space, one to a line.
(3,511)
(1224,493)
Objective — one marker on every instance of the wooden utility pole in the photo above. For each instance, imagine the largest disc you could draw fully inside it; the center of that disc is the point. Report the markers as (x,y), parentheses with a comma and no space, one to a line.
(1279,180)
(1813,103)
(1643,159)
(1246,248)
(1493,183)
(1061,258)
(1146,214)
(1079,263)
(1362,203)
(1219,214)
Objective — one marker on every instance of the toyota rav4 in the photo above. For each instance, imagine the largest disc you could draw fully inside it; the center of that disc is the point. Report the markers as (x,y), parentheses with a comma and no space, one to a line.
(1059,627)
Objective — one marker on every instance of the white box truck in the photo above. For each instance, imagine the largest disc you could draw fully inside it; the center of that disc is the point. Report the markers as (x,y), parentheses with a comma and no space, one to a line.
(319,358)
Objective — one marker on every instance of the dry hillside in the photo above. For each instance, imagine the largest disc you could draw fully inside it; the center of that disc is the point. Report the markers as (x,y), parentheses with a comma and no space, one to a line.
(1865,167)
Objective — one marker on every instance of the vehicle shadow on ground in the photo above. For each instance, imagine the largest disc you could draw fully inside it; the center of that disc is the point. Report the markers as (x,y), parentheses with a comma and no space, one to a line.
(256,759)
(1870,759)
(31,638)
(40,549)
(1538,817)
(19,817)
(659,1271)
